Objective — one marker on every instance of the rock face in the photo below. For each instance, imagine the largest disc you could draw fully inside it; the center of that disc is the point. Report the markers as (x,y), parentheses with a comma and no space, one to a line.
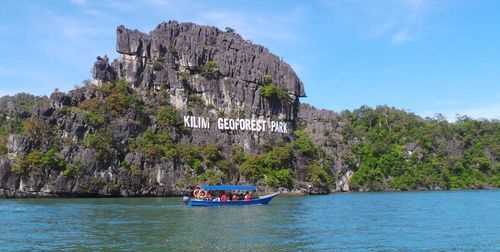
(198,70)
(219,69)
(175,56)
(325,128)
(154,59)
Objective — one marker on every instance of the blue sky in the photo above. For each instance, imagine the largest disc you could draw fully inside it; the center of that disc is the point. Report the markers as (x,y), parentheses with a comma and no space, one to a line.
(423,56)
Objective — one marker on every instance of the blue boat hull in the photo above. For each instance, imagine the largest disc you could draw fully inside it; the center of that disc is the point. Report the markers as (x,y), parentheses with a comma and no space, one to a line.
(264,200)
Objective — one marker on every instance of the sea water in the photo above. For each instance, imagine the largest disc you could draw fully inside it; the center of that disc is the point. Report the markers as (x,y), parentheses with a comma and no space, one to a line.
(407,221)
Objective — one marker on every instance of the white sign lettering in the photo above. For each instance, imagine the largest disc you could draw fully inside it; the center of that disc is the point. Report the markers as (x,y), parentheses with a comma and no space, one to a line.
(232,124)
(196,122)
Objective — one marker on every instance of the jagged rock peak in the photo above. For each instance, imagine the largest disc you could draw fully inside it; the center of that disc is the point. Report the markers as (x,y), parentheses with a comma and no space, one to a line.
(190,46)
(310,113)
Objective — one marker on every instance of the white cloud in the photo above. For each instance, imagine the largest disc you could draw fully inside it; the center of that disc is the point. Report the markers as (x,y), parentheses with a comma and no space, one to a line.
(484,111)
(398,21)
(252,24)
(491,111)
(73,40)
(253,27)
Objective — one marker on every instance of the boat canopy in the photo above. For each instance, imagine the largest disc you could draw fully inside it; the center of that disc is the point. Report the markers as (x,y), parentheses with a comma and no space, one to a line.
(229,187)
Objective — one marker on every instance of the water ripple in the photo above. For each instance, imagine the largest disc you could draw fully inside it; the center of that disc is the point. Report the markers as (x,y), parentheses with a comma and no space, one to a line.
(416,221)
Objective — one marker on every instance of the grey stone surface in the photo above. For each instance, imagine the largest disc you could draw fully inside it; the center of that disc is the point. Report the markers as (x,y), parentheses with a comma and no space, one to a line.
(166,65)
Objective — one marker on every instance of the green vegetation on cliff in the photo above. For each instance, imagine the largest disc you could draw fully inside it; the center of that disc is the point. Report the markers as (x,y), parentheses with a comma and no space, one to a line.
(270,90)
(40,162)
(118,124)
(276,166)
(115,128)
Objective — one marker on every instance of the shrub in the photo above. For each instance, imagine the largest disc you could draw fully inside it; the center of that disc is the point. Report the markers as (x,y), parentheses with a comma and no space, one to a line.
(191,155)
(251,168)
(238,155)
(211,177)
(35,127)
(210,69)
(72,170)
(118,102)
(304,144)
(118,99)
(51,160)
(92,105)
(94,119)
(211,153)
(368,177)
(37,160)
(318,174)
(271,91)
(167,116)
(277,158)
(32,160)
(101,142)
(279,178)
(225,167)
(154,144)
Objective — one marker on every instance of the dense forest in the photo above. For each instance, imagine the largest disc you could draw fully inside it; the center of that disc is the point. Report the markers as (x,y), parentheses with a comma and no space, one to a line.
(396,150)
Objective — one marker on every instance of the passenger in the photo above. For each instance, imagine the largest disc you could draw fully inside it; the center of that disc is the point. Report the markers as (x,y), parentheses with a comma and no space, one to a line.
(196,192)
(235,197)
(248,197)
(209,196)
(223,197)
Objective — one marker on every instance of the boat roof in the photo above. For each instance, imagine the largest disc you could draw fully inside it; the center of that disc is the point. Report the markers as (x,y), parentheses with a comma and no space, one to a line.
(229,187)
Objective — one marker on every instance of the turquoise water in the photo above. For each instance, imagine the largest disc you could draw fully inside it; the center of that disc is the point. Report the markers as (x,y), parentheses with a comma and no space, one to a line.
(414,221)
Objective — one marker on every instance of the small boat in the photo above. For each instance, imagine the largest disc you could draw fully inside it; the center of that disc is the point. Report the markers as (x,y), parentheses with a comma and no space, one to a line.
(262,200)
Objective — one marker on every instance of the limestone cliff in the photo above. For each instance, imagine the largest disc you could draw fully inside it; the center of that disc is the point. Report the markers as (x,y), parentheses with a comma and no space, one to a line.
(127,132)
(122,133)
(218,69)
(326,130)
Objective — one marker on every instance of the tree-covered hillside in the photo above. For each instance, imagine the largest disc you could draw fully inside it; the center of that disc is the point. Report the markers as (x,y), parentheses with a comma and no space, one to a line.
(385,148)
(396,150)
